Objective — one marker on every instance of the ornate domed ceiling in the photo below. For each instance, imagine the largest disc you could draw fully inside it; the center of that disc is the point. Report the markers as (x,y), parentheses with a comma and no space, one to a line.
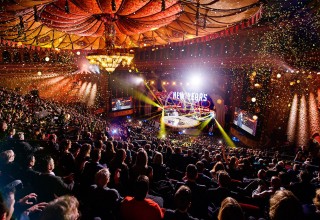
(84,24)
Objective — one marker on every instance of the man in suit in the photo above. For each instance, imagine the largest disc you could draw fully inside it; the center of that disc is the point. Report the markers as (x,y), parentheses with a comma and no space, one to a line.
(90,169)
(199,203)
(47,185)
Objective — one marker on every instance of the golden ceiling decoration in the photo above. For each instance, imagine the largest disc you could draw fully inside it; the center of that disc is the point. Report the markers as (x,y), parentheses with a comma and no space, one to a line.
(79,24)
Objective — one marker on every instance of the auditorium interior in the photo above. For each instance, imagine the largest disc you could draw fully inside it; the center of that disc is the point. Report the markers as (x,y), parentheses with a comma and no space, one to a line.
(199,82)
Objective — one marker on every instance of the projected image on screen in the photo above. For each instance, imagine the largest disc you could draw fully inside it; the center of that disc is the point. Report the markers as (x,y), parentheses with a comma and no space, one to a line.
(245,120)
(121,103)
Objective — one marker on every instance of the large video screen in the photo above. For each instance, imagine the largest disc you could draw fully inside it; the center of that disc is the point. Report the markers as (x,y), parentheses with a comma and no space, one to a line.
(245,120)
(123,103)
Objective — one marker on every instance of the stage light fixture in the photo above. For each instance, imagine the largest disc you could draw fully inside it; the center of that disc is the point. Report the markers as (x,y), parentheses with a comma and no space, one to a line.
(278,75)
(78,53)
(253,99)
(47,59)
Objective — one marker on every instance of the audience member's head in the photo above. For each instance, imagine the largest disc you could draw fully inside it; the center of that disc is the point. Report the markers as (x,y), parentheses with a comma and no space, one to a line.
(158,158)
(85,151)
(284,178)
(217,167)
(96,155)
(224,179)
(3,126)
(200,166)
(141,188)
(109,147)
(230,210)
(316,200)
(65,145)
(275,183)
(284,205)
(46,164)
(191,172)
(262,174)
(142,158)
(102,177)
(120,156)
(6,157)
(305,176)
(62,208)
(182,198)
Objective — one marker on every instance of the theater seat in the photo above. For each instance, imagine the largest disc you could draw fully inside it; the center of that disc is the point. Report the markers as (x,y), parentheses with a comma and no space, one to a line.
(251,210)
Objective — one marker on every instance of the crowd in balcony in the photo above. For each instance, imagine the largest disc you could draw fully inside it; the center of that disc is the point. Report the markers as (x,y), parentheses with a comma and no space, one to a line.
(62,162)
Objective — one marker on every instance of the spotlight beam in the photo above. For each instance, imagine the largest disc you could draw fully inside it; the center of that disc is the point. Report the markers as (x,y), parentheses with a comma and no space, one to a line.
(144,98)
(225,135)
(162,131)
(152,93)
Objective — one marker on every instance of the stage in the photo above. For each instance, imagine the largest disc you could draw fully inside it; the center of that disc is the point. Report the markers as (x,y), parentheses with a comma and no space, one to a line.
(180,121)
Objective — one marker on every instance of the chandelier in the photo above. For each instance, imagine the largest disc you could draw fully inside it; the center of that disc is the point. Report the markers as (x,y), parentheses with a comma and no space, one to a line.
(111,58)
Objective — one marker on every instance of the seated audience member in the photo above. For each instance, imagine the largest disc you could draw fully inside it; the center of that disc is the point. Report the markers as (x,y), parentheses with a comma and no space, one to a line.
(66,163)
(3,130)
(284,205)
(7,168)
(102,200)
(141,166)
(138,207)
(182,200)
(312,212)
(199,203)
(82,158)
(27,173)
(263,192)
(261,180)
(47,185)
(214,172)
(159,169)
(202,178)
(230,210)
(233,168)
(119,172)
(23,207)
(217,195)
(62,208)
(304,190)
(90,169)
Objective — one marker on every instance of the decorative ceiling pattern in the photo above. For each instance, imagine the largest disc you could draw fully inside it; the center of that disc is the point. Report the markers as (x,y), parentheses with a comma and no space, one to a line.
(83,24)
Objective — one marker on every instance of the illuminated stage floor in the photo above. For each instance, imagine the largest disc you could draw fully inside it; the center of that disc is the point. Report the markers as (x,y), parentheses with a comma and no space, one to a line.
(180,122)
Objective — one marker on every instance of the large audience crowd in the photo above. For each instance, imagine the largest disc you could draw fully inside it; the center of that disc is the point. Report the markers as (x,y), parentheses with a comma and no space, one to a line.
(61,162)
